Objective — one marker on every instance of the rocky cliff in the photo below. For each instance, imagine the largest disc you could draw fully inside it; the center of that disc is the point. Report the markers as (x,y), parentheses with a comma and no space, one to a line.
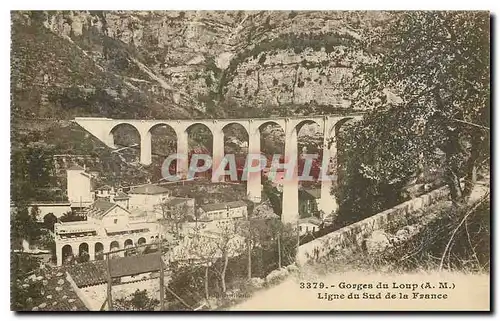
(181,64)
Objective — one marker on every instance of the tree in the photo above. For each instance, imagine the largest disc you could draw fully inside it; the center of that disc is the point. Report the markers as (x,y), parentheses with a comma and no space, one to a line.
(82,257)
(175,215)
(137,301)
(35,212)
(99,254)
(188,282)
(229,243)
(246,228)
(221,257)
(48,242)
(274,196)
(425,77)
(213,249)
(31,164)
(273,244)
(204,252)
(49,220)
(71,217)
(23,223)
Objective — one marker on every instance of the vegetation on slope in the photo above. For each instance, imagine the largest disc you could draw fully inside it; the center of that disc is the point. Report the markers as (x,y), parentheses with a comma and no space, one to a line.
(427,81)
(54,77)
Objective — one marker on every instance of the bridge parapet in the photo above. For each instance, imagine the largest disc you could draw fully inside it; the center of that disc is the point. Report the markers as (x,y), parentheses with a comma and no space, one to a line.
(352,235)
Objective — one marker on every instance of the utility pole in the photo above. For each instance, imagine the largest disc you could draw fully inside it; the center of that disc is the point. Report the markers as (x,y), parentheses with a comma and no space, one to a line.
(298,240)
(110,297)
(279,250)
(162,273)
(249,245)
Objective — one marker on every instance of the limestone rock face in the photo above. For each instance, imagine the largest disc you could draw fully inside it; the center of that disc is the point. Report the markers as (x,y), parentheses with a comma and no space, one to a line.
(175,63)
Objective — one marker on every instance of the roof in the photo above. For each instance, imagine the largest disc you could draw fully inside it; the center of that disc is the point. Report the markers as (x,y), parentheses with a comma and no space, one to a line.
(313,192)
(124,228)
(75,227)
(104,188)
(81,204)
(88,273)
(75,168)
(103,205)
(121,196)
(149,189)
(311,220)
(174,201)
(132,265)
(100,208)
(58,295)
(222,206)
(48,203)
(95,272)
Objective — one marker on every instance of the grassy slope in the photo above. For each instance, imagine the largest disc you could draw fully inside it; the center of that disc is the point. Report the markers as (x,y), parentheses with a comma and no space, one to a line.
(75,86)
(44,64)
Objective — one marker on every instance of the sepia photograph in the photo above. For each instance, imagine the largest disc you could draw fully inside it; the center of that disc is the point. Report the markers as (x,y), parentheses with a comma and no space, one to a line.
(250,160)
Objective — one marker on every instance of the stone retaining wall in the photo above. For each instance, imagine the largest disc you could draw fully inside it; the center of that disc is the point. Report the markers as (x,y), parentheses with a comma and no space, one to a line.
(353,234)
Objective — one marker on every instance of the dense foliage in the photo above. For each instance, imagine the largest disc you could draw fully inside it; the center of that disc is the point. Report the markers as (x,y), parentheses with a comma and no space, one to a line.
(468,250)
(425,76)
(137,301)
(273,195)
(197,283)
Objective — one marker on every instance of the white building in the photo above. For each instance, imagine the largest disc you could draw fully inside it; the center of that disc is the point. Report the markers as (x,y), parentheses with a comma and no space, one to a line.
(57,209)
(104,191)
(108,227)
(223,211)
(121,199)
(79,186)
(180,204)
(309,225)
(108,193)
(147,197)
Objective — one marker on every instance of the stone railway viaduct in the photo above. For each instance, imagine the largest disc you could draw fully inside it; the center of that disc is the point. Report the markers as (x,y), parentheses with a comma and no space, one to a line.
(103,128)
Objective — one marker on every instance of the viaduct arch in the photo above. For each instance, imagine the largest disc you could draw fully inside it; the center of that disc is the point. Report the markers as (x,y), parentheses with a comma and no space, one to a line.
(102,129)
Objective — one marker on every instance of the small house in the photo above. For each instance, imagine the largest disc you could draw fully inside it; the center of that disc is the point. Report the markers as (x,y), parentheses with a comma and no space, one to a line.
(224,211)
(309,225)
